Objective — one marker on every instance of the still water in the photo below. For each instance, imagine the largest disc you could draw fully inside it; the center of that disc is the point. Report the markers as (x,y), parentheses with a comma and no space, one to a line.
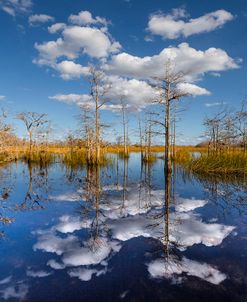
(110,234)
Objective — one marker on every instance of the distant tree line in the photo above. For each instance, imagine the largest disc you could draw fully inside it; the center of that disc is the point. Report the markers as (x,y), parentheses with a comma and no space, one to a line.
(227,129)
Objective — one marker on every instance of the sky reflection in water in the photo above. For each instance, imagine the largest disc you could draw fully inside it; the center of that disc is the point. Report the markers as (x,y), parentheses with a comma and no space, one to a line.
(84,235)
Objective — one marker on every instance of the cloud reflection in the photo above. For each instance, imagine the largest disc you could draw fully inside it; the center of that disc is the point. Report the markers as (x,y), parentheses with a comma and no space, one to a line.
(137,215)
(171,269)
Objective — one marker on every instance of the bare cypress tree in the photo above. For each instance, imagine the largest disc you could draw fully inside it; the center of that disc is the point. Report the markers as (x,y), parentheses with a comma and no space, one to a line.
(229,132)
(240,124)
(6,137)
(148,136)
(169,92)
(99,89)
(125,125)
(173,136)
(140,135)
(214,130)
(33,121)
(88,132)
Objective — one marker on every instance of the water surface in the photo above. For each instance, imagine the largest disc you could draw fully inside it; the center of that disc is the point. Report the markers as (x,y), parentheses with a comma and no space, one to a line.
(109,234)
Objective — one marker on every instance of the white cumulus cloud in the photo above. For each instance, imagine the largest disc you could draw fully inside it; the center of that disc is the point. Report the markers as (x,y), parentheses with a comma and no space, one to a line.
(86,18)
(54,28)
(80,38)
(137,94)
(76,41)
(174,25)
(69,70)
(192,62)
(192,89)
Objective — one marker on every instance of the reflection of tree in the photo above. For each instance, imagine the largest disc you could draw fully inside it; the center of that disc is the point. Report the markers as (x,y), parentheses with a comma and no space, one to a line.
(167,208)
(169,200)
(71,174)
(169,252)
(148,180)
(35,196)
(91,208)
(37,184)
(226,193)
(6,178)
(125,181)
(171,262)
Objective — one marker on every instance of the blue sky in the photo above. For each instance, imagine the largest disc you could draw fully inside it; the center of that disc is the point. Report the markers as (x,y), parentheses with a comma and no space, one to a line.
(118,34)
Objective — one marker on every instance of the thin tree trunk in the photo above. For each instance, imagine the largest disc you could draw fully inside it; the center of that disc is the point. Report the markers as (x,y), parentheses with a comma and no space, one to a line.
(124,130)
(174,137)
(167,208)
(30,143)
(97,130)
(167,131)
(149,140)
(141,142)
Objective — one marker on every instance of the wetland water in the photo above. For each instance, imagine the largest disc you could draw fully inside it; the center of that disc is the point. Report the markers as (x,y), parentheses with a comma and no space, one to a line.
(115,234)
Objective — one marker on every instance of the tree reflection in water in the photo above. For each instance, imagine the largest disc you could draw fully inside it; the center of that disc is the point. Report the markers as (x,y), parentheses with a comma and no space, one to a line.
(108,212)
(130,219)
(36,194)
(172,263)
(6,189)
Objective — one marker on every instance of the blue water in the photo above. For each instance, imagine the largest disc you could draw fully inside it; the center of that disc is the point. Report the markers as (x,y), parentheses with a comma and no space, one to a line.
(78,235)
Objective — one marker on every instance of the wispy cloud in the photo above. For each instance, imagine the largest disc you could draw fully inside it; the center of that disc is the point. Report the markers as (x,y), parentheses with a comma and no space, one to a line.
(14,7)
(215,104)
(37,19)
